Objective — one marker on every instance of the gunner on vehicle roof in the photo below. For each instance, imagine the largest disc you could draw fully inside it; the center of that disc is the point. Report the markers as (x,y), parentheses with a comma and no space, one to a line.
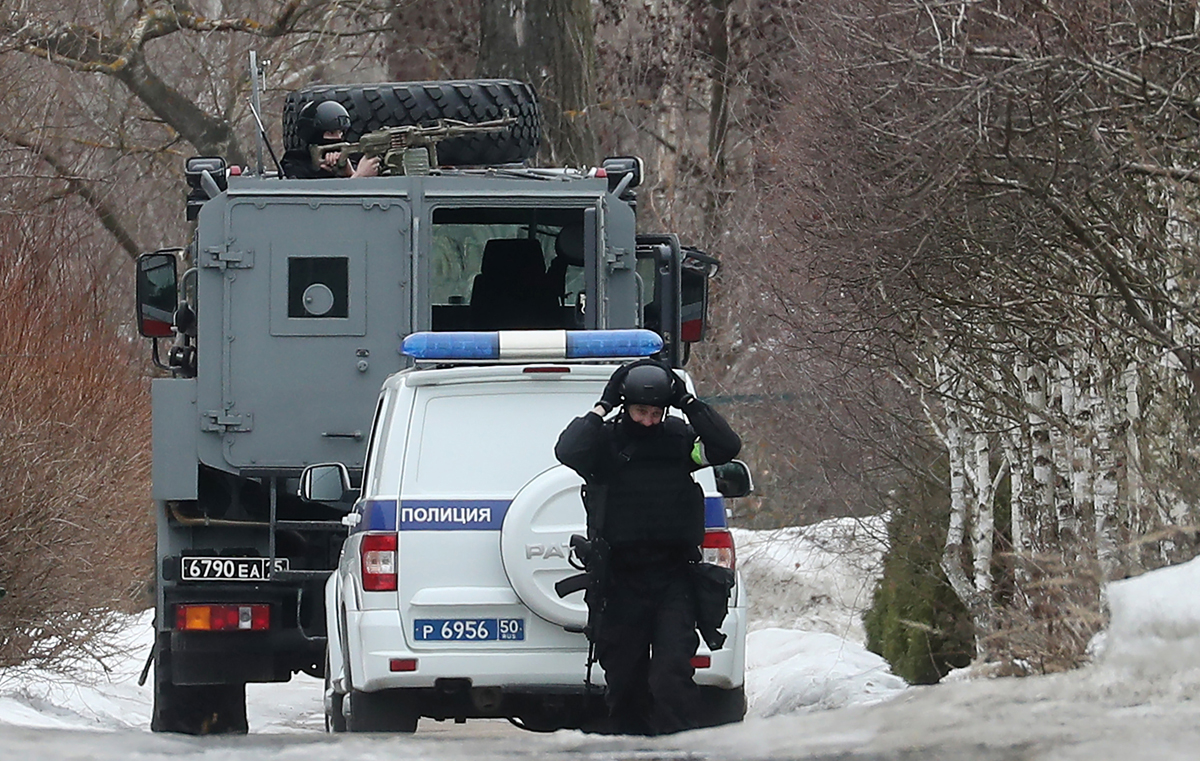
(324,123)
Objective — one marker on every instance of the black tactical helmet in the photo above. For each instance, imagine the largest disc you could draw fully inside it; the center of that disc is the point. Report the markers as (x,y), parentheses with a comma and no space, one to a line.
(650,384)
(318,117)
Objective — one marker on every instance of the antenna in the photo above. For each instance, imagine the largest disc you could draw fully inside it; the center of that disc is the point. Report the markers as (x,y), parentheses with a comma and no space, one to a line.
(257,75)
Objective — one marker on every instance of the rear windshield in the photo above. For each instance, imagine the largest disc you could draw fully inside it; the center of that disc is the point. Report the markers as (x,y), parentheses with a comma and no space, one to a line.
(487,444)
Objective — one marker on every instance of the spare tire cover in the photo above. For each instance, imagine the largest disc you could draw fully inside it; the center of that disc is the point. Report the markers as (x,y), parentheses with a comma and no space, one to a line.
(535,544)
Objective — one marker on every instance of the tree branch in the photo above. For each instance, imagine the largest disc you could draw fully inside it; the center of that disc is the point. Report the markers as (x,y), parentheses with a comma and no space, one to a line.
(76,185)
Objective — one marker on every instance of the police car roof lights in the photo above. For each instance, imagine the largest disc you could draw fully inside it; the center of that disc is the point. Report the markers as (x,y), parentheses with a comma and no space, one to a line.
(530,345)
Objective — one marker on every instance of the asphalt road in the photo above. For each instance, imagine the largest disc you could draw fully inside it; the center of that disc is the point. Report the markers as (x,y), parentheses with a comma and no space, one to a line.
(1084,716)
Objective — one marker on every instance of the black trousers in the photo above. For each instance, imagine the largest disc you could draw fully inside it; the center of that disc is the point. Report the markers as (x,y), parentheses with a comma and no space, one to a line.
(645,645)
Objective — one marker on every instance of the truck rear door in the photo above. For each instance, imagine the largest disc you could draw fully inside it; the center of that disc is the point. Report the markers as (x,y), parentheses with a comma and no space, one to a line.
(314,298)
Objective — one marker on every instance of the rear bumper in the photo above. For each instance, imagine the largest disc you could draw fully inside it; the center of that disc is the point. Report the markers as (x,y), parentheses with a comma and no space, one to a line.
(296,640)
(376,637)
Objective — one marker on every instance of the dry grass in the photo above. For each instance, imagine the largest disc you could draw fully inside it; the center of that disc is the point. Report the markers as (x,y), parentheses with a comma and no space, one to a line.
(76,533)
(1050,621)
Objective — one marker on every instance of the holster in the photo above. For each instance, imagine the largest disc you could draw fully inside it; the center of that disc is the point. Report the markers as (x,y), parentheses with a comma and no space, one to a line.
(711,585)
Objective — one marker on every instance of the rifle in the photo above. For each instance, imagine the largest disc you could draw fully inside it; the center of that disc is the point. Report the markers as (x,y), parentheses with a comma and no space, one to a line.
(593,554)
(409,149)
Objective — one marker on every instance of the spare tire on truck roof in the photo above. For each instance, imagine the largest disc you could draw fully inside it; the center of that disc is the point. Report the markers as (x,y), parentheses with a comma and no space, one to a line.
(397,104)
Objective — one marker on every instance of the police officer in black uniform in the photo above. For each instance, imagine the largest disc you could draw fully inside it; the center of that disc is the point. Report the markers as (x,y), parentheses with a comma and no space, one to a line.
(323,123)
(653,523)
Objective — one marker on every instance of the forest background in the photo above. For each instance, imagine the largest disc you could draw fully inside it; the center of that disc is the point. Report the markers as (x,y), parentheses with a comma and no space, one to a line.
(958,282)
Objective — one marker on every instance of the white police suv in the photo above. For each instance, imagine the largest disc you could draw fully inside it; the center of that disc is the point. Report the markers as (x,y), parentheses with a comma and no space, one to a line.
(443,604)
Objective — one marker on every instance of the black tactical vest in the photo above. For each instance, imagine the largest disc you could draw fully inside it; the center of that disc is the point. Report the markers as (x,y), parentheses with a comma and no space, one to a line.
(652,498)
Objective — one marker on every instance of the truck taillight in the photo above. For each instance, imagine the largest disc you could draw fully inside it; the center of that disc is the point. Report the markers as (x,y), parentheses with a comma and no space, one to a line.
(222,618)
(379,562)
(718,549)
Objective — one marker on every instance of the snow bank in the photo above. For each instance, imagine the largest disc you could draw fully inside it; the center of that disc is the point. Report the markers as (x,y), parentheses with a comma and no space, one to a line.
(807,588)
(97,695)
(789,671)
(1155,620)
(816,578)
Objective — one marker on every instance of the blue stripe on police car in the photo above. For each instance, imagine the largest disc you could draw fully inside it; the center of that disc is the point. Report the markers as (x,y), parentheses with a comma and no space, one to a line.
(467,514)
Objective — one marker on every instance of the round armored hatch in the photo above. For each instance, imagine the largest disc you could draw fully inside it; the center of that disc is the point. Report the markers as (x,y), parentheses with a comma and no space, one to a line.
(535,544)
(318,299)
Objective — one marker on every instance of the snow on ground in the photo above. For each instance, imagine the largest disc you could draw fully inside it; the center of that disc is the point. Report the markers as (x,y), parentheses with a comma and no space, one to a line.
(816,578)
(807,587)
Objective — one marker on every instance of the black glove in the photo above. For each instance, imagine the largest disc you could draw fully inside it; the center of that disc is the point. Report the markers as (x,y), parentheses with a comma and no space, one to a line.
(679,393)
(613,396)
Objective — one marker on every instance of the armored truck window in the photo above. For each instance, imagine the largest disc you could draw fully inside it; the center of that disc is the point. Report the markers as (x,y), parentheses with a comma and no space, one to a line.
(318,287)
(506,268)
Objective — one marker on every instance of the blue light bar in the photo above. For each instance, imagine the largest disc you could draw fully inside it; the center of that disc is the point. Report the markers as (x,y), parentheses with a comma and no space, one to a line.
(594,344)
(531,345)
(453,345)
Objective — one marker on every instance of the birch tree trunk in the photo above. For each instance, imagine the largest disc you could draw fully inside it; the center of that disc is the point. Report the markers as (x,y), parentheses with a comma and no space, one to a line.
(1140,520)
(1082,427)
(1105,494)
(952,552)
(1062,398)
(1042,456)
(1011,442)
(983,520)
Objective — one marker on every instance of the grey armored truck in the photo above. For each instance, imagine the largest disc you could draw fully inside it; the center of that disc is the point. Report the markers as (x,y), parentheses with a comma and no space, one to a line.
(277,324)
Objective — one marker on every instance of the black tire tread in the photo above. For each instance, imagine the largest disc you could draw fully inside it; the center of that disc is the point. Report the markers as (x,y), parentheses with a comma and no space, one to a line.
(394,104)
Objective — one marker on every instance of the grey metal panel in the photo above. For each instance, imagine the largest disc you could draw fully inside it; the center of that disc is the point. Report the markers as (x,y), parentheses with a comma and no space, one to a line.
(280,392)
(620,250)
(523,189)
(174,429)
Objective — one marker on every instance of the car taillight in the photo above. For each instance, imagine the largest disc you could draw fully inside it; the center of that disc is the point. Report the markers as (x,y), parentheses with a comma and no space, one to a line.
(222,618)
(718,548)
(379,562)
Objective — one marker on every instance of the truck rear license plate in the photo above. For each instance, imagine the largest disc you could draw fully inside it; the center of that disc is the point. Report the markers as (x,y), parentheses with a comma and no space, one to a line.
(469,629)
(228,569)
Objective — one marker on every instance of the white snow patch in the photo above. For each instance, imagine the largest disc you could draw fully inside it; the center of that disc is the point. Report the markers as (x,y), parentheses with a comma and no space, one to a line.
(816,578)
(96,695)
(1155,620)
(789,670)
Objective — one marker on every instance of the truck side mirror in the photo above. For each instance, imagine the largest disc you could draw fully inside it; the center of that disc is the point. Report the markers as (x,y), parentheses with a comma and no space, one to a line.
(694,275)
(733,479)
(327,482)
(157,294)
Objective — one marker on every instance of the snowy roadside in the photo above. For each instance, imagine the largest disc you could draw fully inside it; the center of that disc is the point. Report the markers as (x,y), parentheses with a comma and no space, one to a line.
(807,588)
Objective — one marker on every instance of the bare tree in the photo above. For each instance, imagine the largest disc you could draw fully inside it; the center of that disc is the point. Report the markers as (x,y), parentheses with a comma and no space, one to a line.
(551,45)
(998,205)
(180,76)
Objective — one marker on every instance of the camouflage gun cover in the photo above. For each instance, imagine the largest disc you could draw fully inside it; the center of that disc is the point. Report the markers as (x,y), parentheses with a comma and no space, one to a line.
(409,149)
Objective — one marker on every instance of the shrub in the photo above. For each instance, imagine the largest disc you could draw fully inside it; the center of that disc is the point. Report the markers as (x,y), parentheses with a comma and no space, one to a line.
(915,620)
(76,534)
